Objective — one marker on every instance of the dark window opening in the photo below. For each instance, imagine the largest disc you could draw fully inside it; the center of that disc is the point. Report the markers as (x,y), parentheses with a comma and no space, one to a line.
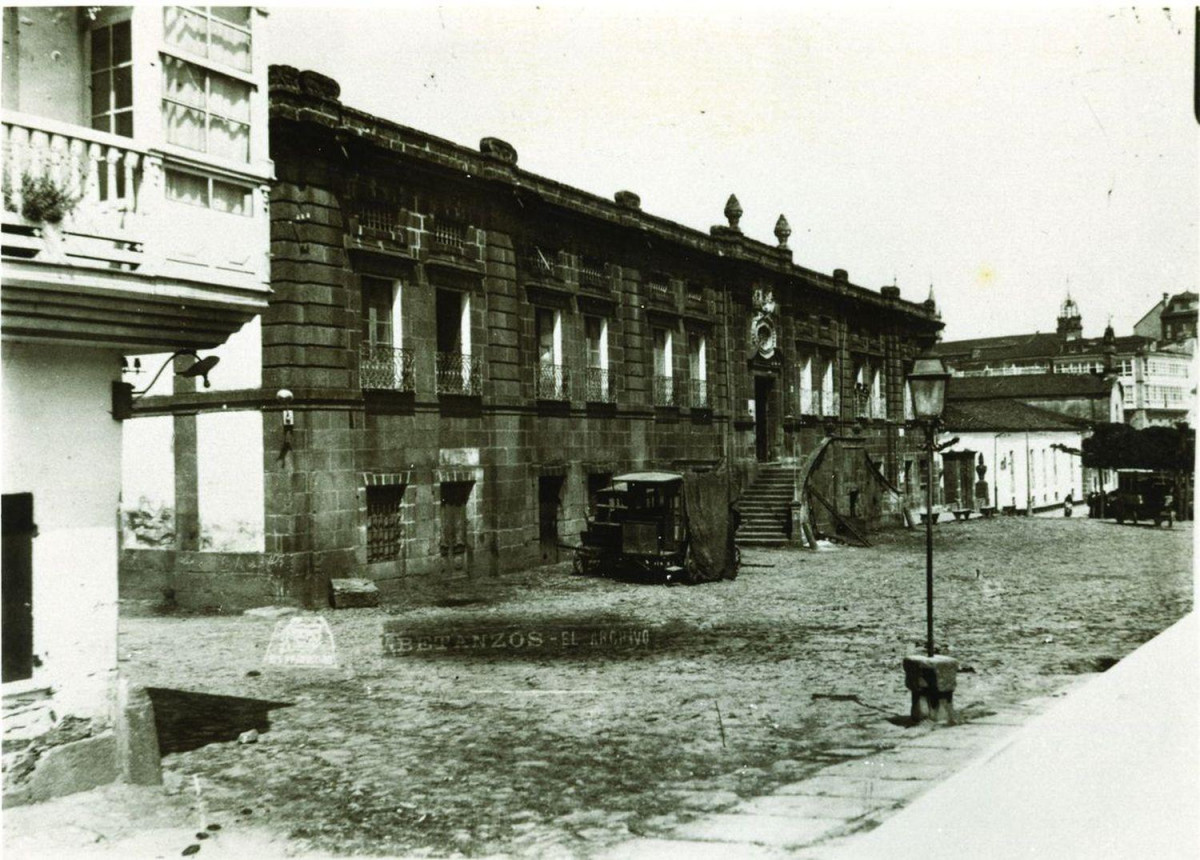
(385,529)
(454,519)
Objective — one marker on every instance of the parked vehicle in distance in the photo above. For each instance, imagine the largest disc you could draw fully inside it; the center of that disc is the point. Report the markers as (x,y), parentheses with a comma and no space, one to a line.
(644,523)
(1140,496)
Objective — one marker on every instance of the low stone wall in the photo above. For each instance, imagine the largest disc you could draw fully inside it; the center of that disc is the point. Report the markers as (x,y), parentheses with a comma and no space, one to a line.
(200,581)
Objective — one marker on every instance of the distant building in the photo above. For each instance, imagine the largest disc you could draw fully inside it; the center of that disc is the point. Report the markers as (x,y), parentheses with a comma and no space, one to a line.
(1172,320)
(135,180)
(1087,399)
(1156,375)
(473,351)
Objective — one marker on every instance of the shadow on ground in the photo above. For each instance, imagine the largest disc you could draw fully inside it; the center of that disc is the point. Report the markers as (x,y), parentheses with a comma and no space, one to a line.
(187,720)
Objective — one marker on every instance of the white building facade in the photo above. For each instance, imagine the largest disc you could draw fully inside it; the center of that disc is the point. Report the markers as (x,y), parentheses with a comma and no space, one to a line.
(134,222)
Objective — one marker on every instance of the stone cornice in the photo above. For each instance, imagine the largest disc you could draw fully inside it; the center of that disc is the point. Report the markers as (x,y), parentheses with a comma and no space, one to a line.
(307,98)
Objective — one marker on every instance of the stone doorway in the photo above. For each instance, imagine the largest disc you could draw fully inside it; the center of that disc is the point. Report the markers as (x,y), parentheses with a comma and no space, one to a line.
(550,489)
(764,418)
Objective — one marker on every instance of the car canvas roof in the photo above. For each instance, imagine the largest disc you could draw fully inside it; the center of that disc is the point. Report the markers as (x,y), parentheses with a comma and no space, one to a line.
(648,478)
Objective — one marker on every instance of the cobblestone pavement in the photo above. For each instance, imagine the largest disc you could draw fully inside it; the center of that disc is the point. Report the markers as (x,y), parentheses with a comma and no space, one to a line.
(787,675)
(810,818)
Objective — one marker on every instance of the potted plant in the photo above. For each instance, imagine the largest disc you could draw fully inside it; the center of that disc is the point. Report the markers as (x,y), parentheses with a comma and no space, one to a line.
(43,200)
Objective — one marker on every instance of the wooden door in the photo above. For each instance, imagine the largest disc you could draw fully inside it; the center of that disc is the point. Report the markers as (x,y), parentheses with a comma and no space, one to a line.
(16,565)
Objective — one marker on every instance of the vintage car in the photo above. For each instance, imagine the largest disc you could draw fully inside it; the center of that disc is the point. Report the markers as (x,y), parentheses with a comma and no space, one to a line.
(665,524)
(1141,494)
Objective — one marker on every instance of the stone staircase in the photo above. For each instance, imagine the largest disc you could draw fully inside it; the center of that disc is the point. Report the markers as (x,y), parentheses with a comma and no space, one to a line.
(765,507)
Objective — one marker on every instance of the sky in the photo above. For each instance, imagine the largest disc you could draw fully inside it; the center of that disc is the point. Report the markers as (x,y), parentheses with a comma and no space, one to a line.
(1003,157)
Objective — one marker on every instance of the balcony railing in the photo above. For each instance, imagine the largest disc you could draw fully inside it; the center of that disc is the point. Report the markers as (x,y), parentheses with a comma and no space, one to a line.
(92,179)
(385,368)
(539,263)
(600,386)
(447,238)
(591,274)
(659,291)
(459,374)
(552,382)
(663,390)
(698,393)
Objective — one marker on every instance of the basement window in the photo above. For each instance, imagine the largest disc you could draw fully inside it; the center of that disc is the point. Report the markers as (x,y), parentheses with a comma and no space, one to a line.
(385,529)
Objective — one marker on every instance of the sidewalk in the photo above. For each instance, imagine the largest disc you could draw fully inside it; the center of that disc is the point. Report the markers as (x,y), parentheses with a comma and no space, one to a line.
(1107,770)
(1113,771)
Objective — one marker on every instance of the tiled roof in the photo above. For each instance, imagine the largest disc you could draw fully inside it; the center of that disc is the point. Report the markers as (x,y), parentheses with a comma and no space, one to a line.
(1027,386)
(1003,416)
(1032,346)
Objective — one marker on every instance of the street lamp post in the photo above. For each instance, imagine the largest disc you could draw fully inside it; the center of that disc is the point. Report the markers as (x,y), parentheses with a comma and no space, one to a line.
(930,678)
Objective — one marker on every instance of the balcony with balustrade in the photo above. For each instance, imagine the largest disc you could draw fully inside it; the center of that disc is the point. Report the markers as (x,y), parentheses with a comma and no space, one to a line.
(697,394)
(459,374)
(382,367)
(600,386)
(664,391)
(552,382)
(592,275)
(87,231)
(118,229)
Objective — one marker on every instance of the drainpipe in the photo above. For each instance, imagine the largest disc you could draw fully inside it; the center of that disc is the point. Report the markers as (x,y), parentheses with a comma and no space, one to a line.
(729,393)
(1028,478)
(995,472)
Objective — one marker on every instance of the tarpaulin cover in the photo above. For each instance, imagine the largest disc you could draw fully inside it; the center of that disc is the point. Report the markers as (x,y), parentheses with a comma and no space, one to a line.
(711,526)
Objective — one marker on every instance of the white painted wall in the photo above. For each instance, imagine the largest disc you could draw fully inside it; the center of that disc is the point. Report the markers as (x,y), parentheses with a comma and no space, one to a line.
(62,445)
(148,480)
(229,478)
(1019,464)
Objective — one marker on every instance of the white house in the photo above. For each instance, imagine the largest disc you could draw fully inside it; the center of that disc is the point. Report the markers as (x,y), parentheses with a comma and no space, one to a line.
(1030,456)
(135,182)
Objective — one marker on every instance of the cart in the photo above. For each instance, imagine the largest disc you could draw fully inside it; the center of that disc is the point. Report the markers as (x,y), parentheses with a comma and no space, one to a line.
(665,525)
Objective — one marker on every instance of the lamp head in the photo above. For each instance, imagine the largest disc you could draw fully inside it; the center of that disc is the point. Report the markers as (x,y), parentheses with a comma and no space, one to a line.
(200,368)
(928,384)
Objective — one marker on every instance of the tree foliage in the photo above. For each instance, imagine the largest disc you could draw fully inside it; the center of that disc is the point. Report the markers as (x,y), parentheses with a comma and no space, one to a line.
(1119,446)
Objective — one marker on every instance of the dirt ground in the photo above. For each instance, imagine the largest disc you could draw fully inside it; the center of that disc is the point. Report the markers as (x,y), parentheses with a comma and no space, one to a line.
(746,685)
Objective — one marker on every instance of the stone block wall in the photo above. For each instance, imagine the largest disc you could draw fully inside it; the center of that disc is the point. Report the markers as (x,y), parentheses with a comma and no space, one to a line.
(358,197)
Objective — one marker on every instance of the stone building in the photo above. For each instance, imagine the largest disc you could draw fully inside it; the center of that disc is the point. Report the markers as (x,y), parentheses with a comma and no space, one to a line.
(135,174)
(1156,374)
(458,354)
(1172,320)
